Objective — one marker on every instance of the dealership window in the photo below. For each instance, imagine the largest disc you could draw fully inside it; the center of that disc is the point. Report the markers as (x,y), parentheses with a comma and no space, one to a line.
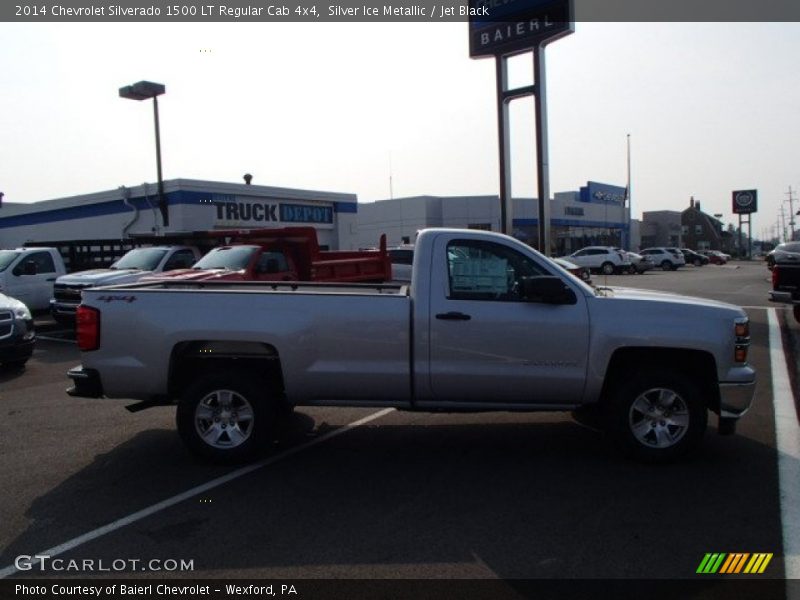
(480,270)
(698,229)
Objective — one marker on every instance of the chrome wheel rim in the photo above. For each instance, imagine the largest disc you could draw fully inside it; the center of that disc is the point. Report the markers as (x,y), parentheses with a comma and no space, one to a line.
(224,419)
(659,418)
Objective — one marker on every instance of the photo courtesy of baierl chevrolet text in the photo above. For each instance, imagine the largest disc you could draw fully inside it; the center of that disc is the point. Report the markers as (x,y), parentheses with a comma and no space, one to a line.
(402,300)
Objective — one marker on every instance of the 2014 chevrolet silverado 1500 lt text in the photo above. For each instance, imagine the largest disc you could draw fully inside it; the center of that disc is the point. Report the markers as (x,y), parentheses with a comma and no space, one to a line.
(487,323)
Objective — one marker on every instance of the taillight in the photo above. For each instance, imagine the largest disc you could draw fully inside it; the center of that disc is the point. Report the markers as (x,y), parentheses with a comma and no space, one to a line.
(775,276)
(741,330)
(87,321)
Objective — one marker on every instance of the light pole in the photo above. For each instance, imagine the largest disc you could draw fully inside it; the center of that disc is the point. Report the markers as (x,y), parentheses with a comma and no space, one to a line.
(143,90)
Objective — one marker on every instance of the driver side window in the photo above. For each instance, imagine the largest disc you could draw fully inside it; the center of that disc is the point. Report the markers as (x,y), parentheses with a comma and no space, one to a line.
(481,270)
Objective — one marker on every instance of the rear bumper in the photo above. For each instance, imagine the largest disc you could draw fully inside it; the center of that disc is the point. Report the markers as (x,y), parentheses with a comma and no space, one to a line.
(784,297)
(87,383)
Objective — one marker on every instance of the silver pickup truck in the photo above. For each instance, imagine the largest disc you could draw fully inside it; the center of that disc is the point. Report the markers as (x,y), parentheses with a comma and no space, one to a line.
(487,323)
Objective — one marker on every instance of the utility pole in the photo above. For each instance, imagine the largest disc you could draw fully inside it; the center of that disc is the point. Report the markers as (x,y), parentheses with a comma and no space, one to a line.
(782,221)
(790,200)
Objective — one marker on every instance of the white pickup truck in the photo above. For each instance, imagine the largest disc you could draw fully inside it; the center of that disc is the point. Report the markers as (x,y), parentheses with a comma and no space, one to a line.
(133,266)
(487,324)
(28,274)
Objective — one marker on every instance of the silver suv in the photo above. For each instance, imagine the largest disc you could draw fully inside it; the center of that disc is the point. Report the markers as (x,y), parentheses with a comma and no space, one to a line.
(605,259)
(669,259)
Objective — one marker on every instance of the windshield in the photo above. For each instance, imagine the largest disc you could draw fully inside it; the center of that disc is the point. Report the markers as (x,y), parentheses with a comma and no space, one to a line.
(232,258)
(144,259)
(6,258)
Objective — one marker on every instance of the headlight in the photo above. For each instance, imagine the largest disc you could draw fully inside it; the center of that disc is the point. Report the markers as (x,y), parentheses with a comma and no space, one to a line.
(21,312)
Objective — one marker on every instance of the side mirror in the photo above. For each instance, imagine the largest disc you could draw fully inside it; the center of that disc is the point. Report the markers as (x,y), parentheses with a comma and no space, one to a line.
(547,290)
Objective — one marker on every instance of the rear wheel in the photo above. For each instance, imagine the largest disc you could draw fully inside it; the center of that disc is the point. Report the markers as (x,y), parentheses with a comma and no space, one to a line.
(226,417)
(657,415)
(698,262)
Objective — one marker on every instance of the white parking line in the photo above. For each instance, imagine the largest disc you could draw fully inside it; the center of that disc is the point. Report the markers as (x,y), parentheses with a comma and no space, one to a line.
(195,491)
(787,436)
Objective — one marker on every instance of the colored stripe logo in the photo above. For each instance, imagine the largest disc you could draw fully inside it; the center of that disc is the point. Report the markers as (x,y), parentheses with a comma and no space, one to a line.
(734,563)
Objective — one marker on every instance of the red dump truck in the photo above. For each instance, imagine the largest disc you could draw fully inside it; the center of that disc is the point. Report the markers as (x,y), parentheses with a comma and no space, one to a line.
(287,254)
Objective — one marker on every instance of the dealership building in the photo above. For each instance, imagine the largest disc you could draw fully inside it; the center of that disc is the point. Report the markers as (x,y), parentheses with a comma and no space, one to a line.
(192,205)
(596,214)
(100,226)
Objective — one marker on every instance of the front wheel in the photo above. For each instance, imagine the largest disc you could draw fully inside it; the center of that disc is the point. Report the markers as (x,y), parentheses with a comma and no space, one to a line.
(607,268)
(666,266)
(657,415)
(226,417)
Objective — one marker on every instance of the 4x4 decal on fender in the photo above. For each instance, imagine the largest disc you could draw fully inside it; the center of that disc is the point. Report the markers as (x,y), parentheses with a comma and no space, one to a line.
(107,299)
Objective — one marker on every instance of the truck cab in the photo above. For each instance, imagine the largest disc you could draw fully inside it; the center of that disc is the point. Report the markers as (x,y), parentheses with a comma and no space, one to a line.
(28,274)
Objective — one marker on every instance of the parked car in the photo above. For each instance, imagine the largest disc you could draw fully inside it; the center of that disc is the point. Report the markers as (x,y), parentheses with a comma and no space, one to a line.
(788,253)
(604,259)
(639,263)
(135,265)
(716,257)
(669,259)
(489,324)
(17,335)
(28,274)
(694,258)
(582,273)
(401,258)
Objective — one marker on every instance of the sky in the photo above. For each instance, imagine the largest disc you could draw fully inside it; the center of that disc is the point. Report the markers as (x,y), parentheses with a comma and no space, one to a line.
(399,109)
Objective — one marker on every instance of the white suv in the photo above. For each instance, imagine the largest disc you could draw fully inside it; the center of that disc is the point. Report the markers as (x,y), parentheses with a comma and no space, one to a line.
(601,258)
(669,259)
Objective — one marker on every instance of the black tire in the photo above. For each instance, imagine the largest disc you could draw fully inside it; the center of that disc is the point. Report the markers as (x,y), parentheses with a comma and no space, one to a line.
(233,409)
(657,415)
(666,265)
(607,268)
(698,262)
(15,365)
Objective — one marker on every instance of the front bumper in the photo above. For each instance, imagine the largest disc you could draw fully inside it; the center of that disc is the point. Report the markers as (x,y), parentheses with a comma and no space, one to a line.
(63,311)
(19,344)
(735,398)
(87,383)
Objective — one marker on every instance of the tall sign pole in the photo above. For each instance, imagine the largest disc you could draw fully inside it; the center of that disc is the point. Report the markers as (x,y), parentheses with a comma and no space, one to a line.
(627,212)
(503,30)
(542,156)
(745,202)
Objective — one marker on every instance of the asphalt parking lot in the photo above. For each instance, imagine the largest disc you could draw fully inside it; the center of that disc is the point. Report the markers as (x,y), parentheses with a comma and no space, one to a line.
(365,494)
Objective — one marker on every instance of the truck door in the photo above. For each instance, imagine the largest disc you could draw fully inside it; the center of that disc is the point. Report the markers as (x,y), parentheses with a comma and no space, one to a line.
(33,286)
(488,344)
(273,265)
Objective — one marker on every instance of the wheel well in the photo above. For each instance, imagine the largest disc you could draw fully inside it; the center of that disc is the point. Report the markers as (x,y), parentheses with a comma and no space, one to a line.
(203,356)
(698,365)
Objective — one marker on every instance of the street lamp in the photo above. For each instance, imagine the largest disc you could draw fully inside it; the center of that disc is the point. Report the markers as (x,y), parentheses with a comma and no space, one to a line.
(143,90)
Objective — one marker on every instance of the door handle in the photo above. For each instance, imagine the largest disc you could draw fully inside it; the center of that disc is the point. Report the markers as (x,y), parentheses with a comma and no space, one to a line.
(453,316)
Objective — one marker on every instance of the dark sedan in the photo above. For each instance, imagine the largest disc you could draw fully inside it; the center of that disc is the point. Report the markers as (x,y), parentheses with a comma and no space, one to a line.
(695,258)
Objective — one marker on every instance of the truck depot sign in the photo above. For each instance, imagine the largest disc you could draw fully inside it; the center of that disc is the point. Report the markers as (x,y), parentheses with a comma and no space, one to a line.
(503,27)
